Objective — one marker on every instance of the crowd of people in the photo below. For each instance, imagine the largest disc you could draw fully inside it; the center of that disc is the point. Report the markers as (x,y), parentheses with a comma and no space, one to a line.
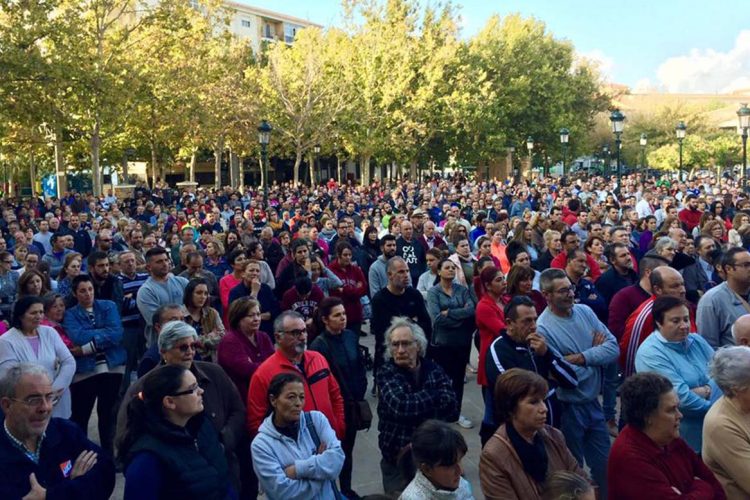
(218,334)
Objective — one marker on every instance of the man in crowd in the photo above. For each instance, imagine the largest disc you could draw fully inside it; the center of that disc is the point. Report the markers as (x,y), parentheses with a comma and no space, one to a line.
(699,277)
(106,285)
(81,238)
(322,392)
(44,457)
(621,273)
(574,331)
(720,307)
(161,287)
(378,274)
(409,249)
(56,258)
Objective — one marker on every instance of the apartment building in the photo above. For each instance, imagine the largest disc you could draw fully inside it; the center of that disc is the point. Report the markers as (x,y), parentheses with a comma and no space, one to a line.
(259,26)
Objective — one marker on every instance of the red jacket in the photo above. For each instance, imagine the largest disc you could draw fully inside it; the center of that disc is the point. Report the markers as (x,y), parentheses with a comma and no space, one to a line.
(355,287)
(490,321)
(322,392)
(639,469)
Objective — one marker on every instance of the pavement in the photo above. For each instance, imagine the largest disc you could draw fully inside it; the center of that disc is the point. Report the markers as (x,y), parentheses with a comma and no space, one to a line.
(366,471)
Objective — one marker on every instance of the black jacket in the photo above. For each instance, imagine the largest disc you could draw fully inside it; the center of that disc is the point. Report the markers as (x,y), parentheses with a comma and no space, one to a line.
(504,353)
(345,359)
(611,282)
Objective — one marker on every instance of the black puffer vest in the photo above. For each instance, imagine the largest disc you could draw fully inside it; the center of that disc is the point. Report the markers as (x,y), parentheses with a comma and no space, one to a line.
(192,458)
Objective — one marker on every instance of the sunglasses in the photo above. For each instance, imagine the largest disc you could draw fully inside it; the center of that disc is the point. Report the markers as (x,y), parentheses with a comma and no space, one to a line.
(188,347)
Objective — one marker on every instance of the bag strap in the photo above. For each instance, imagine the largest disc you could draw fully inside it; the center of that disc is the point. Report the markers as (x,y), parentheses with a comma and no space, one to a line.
(742,299)
(316,441)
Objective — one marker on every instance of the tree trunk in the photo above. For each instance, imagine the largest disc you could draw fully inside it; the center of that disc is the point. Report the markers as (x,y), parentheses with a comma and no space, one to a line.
(32,174)
(95,149)
(311,164)
(154,166)
(338,169)
(62,180)
(364,169)
(413,170)
(297,164)
(218,153)
(193,162)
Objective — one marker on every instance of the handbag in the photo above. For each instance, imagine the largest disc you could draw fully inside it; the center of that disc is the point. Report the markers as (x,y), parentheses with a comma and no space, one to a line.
(316,441)
(359,412)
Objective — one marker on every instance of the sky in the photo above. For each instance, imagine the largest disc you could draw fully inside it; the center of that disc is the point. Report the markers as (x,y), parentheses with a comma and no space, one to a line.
(692,46)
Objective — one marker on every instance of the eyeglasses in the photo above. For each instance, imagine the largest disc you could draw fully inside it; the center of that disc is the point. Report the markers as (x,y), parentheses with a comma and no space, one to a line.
(744,265)
(37,401)
(185,347)
(402,343)
(567,290)
(190,390)
(296,333)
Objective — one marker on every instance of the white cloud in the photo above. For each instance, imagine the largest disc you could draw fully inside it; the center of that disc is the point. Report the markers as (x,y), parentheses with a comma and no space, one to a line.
(605,63)
(708,70)
(646,86)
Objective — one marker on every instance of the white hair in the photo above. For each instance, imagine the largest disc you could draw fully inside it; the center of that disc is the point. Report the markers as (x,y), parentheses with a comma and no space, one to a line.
(730,369)
(172,331)
(403,322)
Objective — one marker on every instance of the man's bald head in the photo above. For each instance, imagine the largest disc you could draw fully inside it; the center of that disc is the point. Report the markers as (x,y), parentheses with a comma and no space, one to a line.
(741,330)
(667,280)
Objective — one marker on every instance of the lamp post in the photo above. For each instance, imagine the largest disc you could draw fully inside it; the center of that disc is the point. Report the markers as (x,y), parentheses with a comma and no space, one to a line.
(264,137)
(618,123)
(564,136)
(606,160)
(643,141)
(511,170)
(743,114)
(680,130)
(530,148)
(316,150)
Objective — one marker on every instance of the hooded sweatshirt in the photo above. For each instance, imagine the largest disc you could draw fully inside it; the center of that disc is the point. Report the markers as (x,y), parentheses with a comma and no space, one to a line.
(273,452)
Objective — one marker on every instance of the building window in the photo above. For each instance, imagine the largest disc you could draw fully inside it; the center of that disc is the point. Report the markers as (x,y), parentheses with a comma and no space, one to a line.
(290,31)
(246,23)
(268,31)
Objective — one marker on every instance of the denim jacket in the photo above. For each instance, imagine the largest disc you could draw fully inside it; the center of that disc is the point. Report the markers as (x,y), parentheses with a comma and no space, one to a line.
(106,332)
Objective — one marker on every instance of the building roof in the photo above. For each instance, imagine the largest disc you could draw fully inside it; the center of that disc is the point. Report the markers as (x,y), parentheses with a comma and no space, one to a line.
(269,14)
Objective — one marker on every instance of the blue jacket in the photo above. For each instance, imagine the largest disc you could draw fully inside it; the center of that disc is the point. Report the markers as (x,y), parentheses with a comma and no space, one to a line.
(272,452)
(63,442)
(685,364)
(107,334)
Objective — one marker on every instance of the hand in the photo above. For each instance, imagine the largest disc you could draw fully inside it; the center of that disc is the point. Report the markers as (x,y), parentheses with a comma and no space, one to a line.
(76,351)
(322,448)
(255,287)
(575,359)
(307,265)
(537,344)
(291,472)
(84,463)
(444,313)
(36,492)
(599,338)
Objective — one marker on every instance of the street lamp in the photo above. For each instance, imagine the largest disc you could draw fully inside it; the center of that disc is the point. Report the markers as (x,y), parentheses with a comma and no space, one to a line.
(618,123)
(644,141)
(316,150)
(530,148)
(743,114)
(264,137)
(606,159)
(511,170)
(680,130)
(564,136)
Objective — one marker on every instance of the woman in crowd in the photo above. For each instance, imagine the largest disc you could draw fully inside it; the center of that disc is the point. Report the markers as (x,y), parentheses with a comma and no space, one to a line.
(19,257)
(648,229)
(244,347)
(204,318)
(524,451)
(355,285)
(433,464)
(520,281)
(564,485)
(340,347)
(95,327)
(236,260)
(451,307)
(477,286)
(255,251)
(429,278)
(552,245)
(649,456)
(32,282)
(462,258)
(320,246)
(683,357)
(8,284)
(522,234)
(666,248)
(670,222)
(497,247)
(490,322)
(70,269)
(169,448)
(322,277)
(28,341)
(369,251)
(594,246)
(726,429)
(54,313)
(215,261)
(484,249)
(296,454)
(734,238)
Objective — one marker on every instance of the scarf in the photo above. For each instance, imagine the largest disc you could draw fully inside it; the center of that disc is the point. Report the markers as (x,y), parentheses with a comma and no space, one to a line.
(533,455)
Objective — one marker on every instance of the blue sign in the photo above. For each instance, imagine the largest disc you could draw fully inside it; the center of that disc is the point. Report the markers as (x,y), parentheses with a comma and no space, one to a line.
(49,186)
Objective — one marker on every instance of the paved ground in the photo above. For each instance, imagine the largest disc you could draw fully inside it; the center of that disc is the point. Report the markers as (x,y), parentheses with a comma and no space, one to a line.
(367,479)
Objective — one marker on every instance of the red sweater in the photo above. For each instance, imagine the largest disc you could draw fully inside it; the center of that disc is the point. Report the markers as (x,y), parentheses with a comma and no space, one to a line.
(690,218)
(490,321)
(622,306)
(322,392)
(355,287)
(561,261)
(639,469)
